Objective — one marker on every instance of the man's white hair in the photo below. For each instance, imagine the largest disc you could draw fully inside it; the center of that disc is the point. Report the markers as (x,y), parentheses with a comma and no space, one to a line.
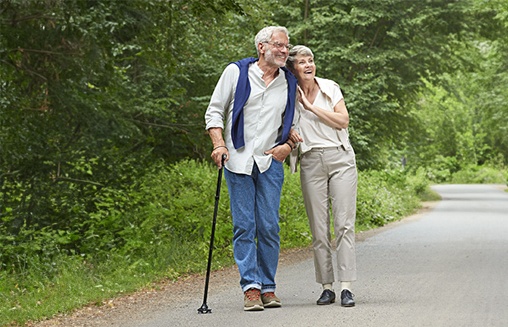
(265,35)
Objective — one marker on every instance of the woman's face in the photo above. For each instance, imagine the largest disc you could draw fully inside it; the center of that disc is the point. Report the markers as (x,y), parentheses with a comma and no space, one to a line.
(304,68)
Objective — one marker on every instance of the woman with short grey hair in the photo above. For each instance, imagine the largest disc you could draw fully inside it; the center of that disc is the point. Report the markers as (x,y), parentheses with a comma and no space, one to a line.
(328,174)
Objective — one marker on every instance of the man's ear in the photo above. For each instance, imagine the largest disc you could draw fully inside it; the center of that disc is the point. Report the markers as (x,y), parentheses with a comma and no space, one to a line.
(261,47)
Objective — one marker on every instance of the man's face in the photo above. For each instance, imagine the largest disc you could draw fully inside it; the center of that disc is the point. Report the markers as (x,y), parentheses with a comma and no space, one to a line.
(276,51)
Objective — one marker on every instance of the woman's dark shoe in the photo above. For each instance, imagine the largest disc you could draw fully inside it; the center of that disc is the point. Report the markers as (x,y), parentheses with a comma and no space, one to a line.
(346,298)
(327,297)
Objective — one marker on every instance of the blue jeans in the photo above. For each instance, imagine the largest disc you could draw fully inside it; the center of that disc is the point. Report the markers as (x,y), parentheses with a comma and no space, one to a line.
(255,202)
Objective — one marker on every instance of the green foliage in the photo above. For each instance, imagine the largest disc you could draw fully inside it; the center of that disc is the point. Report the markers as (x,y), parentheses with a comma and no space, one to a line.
(293,218)
(460,114)
(459,135)
(474,174)
(442,168)
(385,196)
(178,203)
(378,51)
(446,171)
(92,92)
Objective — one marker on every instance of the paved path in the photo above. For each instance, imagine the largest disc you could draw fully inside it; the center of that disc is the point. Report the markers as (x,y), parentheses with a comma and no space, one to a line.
(446,267)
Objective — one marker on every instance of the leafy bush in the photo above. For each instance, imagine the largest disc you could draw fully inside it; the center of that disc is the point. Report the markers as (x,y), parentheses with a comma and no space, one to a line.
(385,196)
(177,210)
(293,218)
(473,174)
(442,168)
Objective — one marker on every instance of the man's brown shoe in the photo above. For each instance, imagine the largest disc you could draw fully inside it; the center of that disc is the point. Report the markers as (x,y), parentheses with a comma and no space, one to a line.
(270,300)
(252,300)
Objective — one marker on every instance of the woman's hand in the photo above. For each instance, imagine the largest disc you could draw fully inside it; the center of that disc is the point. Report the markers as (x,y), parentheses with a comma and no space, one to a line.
(303,99)
(295,137)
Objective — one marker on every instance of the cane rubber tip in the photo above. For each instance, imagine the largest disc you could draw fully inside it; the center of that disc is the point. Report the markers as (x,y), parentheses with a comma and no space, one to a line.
(204,309)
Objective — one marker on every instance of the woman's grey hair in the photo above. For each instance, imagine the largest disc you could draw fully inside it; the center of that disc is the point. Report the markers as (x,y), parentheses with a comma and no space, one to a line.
(297,50)
(265,35)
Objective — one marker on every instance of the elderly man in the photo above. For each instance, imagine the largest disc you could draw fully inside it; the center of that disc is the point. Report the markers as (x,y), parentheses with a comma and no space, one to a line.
(248,119)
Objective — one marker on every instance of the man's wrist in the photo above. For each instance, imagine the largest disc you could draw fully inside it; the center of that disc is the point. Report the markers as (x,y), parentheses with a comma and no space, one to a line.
(291,145)
(220,146)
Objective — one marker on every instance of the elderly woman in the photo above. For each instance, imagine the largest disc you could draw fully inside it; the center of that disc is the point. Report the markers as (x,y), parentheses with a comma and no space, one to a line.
(328,174)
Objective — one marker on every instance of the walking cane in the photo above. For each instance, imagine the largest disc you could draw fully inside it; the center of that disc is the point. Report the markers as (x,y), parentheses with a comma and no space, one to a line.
(204,307)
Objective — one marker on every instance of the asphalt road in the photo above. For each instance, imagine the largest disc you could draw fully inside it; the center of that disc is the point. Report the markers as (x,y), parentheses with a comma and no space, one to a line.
(445,267)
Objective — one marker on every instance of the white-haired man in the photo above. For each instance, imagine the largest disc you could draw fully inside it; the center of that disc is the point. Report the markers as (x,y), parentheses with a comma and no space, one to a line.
(248,119)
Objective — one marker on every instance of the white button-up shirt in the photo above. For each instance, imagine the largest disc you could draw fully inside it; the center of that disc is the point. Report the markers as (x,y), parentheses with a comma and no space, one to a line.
(263,115)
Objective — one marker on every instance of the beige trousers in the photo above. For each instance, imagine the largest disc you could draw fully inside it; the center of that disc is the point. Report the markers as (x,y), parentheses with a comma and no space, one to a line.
(329,176)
